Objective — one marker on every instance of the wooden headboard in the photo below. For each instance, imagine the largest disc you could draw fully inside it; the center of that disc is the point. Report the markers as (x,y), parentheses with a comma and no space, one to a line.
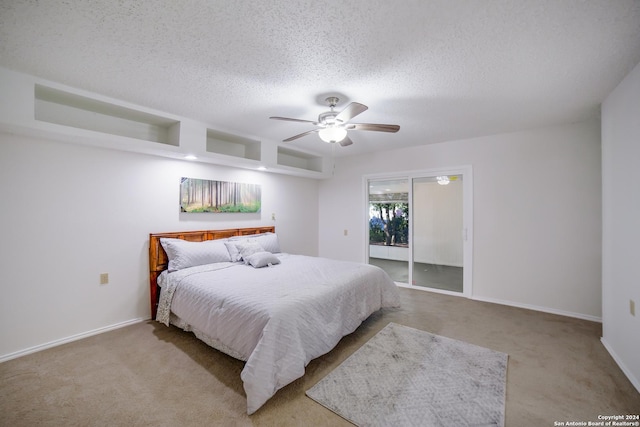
(158,257)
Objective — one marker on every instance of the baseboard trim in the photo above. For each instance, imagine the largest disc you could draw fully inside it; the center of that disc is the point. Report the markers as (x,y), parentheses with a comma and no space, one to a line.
(66,340)
(621,365)
(539,308)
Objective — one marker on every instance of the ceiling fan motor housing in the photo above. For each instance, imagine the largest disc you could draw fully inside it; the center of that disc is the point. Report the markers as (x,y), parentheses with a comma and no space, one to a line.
(328,118)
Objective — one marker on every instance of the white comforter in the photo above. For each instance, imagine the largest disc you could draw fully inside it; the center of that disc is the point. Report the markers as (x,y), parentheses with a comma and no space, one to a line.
(276,318)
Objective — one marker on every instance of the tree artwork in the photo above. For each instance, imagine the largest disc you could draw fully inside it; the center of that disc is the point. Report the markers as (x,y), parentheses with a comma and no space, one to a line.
(201,195)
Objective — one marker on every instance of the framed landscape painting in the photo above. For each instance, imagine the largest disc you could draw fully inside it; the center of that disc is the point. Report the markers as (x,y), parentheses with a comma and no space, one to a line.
(201,195)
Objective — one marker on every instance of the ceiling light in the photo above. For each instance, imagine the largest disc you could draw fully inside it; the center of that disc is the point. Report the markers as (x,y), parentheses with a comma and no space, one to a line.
(262,168)
(332,134)
(190,157)
(442,180)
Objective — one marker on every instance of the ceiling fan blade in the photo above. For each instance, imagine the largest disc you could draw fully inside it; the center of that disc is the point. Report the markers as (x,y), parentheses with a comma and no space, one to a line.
(373,127)
(346,141)
(300,135)
(350,111)
(293,120)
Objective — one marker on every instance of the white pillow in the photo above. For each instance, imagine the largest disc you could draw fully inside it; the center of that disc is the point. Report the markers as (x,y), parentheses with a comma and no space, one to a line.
(235,247)
(183,254)
(269,241)
(232,249)
(249,247)
(261,259)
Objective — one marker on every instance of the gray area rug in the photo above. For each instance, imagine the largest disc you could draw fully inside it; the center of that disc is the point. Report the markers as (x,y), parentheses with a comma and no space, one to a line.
(407,377)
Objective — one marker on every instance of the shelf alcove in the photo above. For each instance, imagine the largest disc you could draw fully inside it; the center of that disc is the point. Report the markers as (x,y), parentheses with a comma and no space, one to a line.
(69,109)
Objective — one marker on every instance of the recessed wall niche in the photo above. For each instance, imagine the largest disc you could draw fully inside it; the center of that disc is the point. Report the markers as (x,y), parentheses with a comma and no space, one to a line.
(69,109)
(299,160)
(232,145)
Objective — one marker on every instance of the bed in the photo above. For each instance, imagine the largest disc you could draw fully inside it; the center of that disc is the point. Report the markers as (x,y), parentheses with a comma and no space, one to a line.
(237,292)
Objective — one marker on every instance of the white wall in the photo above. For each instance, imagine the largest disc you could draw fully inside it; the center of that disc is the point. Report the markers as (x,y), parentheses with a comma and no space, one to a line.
(70,212)
(621,224)
(438,223)
(537,212)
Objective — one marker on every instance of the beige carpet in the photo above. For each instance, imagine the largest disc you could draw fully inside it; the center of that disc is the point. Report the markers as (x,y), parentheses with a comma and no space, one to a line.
(150,375)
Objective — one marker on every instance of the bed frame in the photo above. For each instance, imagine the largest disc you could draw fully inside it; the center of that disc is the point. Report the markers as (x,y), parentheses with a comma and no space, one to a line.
(158,257)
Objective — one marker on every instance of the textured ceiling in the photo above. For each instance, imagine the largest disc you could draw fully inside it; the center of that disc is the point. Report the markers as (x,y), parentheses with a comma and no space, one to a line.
(442,70)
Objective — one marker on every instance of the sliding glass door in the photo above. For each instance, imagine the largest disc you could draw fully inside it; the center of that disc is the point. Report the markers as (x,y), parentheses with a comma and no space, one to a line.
(437,232)
(419,228)
(389,226)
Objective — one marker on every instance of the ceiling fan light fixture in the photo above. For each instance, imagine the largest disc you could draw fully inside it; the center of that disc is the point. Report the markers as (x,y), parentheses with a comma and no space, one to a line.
(332,134)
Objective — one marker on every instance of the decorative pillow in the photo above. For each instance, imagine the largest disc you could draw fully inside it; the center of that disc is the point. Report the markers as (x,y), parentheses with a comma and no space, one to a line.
(269,241)
(249,247)
(235,247)
(234,252)
(183,254)
(261,259)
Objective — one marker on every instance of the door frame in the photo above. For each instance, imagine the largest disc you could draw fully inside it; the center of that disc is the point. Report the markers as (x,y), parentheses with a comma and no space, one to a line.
(467,219)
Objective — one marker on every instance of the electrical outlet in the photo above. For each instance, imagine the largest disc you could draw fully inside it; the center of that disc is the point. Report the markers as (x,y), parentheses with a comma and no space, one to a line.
(273,217)
(346,232)
(632,307)
(104,278)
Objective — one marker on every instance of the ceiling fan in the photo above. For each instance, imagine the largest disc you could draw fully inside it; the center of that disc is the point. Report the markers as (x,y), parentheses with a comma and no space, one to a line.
(333,125)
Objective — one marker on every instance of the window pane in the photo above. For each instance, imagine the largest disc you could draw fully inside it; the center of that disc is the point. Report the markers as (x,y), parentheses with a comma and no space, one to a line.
(389,227)
(437,233)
